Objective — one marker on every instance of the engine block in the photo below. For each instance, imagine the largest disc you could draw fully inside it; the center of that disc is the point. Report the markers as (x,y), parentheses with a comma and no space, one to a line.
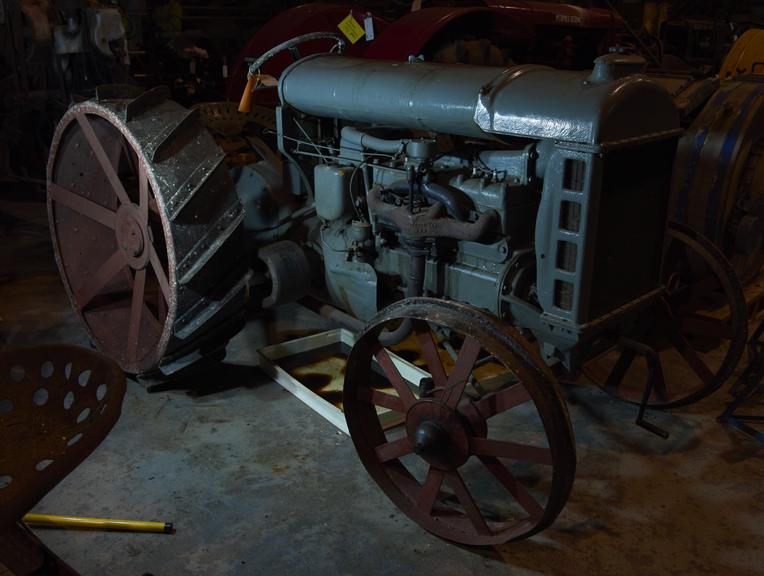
(538,195)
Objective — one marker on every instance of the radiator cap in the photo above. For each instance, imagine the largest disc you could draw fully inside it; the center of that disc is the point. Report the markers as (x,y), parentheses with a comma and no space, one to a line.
(610,67)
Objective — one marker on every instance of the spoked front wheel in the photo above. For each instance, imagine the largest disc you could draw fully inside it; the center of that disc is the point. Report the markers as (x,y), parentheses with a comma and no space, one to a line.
(486,454)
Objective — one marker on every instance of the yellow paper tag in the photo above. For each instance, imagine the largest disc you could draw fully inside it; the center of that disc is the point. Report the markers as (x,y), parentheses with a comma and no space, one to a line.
(351,29)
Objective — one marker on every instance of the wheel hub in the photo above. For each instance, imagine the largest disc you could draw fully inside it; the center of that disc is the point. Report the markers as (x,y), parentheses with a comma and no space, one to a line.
(132,236)
(430,438)
(438,434)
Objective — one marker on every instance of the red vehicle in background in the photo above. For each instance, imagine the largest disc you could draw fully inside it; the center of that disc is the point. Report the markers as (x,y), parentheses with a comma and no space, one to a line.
(491,33)
(561,35)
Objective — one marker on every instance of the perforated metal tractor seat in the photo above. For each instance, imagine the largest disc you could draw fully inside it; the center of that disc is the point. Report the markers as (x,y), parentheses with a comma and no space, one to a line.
(57,403)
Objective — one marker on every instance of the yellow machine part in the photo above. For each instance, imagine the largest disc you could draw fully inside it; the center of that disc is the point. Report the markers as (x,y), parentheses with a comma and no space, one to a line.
(746,55)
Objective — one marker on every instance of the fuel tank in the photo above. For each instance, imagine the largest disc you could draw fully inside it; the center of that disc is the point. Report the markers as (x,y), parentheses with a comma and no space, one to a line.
(609,106)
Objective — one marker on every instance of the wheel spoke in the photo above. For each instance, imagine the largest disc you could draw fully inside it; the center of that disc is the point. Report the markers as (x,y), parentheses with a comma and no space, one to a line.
(152,319)
(379,398)
(659,383)
(82,205)
(467,502)
(430,489)
(518,491)
(684,348)
(130,156)
(702,289)
(147,313)
(403,477)
(395,378)
(92,287)
(156,264)
(103,159)
(512,450)
(393,450)
(691,356)
(143,194)
(504,400)
(161,305)
(621,366)
(697,324)
(457,380)
(430,351)
(136,309)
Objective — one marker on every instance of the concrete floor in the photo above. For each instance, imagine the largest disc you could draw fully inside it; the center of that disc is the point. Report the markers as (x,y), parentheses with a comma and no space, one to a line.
(257,483)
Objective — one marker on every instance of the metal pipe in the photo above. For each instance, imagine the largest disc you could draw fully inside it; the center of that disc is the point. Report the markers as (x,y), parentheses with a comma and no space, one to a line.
(291,43)
(414,95)
(342,318)
(245,104)
(361,140)
(411,177)
(414,288)
(429,223)
(457,203)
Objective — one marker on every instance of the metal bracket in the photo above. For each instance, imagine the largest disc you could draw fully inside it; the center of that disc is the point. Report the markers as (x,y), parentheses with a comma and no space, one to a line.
(655,376)
(294,51)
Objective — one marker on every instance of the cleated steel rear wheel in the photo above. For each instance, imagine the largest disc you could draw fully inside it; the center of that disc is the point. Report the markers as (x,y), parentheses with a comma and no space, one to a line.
(147,231)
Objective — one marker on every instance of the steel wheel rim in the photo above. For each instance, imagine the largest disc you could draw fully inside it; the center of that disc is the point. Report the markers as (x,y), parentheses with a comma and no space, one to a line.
(628,384)
(718,170)
(421,500)
(140,248)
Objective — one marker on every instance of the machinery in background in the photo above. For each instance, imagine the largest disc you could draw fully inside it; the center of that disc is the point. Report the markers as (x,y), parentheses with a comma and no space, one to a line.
(718,183)
(509,223)
(696,36)
(746,55)
(498,33)
(53,52)
(696,43)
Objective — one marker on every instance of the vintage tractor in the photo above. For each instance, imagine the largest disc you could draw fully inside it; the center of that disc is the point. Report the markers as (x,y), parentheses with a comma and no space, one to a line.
(509,224)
